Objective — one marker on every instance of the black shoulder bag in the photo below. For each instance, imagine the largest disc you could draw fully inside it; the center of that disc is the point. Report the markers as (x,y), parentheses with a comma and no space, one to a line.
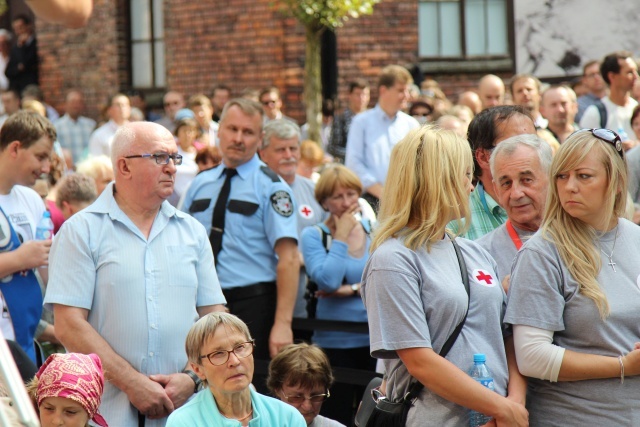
(394,414)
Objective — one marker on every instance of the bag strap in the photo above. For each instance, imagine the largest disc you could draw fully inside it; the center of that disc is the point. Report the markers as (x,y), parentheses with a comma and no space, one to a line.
(417,387)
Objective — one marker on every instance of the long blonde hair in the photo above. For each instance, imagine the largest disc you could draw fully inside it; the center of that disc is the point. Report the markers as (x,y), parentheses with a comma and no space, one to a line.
(573,237)
(425,188)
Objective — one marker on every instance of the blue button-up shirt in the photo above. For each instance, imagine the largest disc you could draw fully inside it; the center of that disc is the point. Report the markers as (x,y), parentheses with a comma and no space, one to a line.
(372,136)
(141,293)
(247,256)
(74,135)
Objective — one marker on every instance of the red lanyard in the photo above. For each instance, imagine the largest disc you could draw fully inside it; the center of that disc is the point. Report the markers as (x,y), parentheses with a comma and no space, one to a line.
(514,236)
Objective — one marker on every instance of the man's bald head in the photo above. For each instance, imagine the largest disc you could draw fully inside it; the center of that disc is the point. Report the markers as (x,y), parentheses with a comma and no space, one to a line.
(471,100)
(136,136)
(491,91)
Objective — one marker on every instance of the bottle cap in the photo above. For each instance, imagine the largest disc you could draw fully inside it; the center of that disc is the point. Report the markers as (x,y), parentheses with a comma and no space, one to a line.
(479,358)
(46,214)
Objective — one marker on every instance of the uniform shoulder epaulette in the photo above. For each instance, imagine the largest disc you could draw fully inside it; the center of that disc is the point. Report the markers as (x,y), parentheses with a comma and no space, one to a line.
(271,174)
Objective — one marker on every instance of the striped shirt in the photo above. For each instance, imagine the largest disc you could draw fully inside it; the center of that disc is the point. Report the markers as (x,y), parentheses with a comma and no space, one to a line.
(74,135)
(485,217)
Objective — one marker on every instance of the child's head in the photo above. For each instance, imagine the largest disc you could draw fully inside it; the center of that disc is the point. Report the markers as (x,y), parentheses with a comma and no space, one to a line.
(68,388)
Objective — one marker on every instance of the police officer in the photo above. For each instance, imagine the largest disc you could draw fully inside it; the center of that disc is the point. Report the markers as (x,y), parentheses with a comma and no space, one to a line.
(250,213)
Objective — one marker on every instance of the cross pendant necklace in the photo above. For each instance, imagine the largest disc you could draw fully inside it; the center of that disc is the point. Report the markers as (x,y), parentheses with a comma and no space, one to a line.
(610,256)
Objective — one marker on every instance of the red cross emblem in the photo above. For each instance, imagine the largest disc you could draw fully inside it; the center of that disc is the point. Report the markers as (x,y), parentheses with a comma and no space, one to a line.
(306,211)
(484,278)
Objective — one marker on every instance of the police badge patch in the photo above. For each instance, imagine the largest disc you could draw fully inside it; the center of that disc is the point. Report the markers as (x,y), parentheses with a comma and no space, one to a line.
(281,203)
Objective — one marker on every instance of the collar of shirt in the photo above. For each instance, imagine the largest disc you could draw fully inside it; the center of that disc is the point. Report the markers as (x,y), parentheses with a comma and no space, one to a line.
(384,116)
(106,204)
(244,170)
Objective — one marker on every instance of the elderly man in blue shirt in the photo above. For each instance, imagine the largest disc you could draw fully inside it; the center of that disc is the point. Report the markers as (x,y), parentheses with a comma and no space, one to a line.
(250,213)
(374,133)
(129,275)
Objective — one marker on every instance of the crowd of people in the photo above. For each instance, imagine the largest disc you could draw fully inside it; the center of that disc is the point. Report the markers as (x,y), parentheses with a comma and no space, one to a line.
(186,243)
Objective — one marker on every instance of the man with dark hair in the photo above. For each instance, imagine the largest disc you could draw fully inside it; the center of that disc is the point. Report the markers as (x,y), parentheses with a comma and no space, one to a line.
(22,68)
(11,100)
(26,143)
(486,130)
(374,133)
(272,104)
(593,81)
(251,216)
(357,102)
(620,71)
(173,102)
(220,95)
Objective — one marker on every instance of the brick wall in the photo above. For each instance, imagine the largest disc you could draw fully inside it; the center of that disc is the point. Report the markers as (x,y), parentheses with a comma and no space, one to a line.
(245,43)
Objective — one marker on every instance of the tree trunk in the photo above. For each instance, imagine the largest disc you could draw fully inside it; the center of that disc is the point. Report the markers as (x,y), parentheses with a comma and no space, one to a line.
(313,82)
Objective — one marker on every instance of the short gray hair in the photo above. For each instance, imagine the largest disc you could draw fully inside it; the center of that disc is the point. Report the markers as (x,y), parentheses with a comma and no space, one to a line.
(122,140)
(204,329)
(282,129)
(509,146)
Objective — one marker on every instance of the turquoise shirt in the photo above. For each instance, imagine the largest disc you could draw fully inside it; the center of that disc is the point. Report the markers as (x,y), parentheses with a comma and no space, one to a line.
(486,215)
(202,411)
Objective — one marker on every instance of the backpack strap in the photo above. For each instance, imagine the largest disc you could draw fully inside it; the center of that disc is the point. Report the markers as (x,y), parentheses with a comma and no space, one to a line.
(602,109)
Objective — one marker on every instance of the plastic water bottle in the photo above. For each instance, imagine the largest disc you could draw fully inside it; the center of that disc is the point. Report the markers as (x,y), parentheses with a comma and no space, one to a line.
(44,230)
(480,373)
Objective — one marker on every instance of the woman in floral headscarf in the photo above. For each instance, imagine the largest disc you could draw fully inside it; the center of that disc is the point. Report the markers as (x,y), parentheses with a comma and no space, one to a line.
(67,390)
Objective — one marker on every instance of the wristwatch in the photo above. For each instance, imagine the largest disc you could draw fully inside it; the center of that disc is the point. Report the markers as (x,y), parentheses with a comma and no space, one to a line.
(355,288)
(196,379)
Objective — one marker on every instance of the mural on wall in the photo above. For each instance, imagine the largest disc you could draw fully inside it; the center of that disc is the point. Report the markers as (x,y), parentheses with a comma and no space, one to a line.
(557,37)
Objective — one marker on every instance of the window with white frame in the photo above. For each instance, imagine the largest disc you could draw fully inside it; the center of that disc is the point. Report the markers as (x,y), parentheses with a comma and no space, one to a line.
(147,44)
(462,29)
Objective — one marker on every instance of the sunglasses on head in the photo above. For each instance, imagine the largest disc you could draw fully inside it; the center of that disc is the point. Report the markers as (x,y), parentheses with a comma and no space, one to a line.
(608,136)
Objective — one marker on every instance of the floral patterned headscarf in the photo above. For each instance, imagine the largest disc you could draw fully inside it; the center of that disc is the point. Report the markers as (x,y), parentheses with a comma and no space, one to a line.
(73,376)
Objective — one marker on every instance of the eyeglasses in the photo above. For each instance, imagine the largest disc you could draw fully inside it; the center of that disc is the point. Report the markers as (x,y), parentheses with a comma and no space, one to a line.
(298,399)
(608,136)
(220,357)
(161,158)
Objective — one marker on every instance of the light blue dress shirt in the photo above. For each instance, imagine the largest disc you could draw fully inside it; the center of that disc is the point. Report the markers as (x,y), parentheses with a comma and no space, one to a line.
(247,256)
(141,293)
(202,411)
(372,136)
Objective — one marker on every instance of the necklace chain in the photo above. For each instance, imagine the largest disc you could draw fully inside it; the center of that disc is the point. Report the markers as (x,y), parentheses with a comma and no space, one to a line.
(240,419)
(611,263)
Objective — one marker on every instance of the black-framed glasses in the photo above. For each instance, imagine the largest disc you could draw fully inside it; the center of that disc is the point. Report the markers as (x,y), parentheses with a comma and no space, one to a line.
(220,357)
(160,158)
(298,399)
(608,136)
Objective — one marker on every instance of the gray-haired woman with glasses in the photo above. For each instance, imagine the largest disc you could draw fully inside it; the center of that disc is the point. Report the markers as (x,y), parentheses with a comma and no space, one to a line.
(220,349)
(301,376)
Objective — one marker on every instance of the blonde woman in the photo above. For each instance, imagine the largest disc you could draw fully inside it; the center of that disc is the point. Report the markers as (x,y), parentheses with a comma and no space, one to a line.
(414,294)
(574,294)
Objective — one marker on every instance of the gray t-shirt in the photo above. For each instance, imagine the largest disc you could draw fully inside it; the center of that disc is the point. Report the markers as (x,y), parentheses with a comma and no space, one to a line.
(309,212)
(500,246)
(416,299)
(543,294)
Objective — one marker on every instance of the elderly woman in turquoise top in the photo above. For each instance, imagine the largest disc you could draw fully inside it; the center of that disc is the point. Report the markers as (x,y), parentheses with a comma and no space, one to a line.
(220,351)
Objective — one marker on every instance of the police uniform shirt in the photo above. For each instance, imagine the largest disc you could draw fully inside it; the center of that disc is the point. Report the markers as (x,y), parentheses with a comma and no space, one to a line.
(260,211)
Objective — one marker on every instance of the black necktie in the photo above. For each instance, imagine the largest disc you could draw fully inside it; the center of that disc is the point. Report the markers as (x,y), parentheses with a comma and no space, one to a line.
(219,212)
